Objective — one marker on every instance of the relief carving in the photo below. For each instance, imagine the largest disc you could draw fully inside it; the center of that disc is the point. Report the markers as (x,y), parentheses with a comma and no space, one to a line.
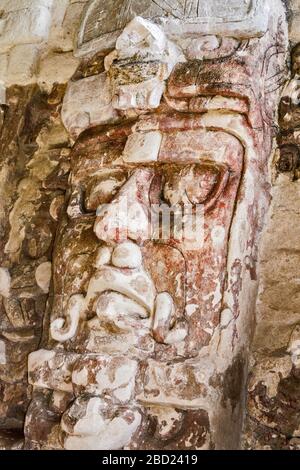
(34,146)
(147,340)
(273,406)
(287,159)
(231,18)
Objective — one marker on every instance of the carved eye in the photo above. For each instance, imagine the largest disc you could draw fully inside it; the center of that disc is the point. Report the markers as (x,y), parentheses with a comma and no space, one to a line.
(194,184)
(101,190)
(202,186)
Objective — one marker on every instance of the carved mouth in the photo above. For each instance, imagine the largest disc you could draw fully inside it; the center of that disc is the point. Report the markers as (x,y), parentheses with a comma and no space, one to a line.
(206,103)
(135,284)
(120,311)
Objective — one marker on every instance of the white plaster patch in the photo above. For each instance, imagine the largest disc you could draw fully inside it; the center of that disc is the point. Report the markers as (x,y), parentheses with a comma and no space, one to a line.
(218,236)
(87,102)
(2,353)
(5,281)
(103,256)
(141,37)
(177,335)
(43,276)
(226,317)
(92,423)
(95,432)
(58,399)
(137,285)
(166,418)
(294,346)
(127,255)
(38,358)
(118,309)
(80,377)
(164,308)
(191,309)
(24,22)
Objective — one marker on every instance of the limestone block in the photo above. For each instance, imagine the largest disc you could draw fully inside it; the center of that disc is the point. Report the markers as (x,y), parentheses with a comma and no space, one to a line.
(142,96)
(286,194)
(294,5)
(143,38)
(279,233)
(177,384)
(87,103)
(59,9)
(266,313)
(92,425)
(2,353)
(66,16)
(279,265)
(51,369)
(24,22)
(105,376)
(5,282)
(169,428)
(284,295)
(100,27)
(270,371)
(22,65)
(71,21)
(3,73)
(142,60)
(142,147)
(56,68)
(272,336)
(295,27)
(43,276)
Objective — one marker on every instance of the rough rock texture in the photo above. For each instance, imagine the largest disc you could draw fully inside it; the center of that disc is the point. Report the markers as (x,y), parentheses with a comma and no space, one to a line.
(33,173)
(115,333)
(274,393)
(170,130)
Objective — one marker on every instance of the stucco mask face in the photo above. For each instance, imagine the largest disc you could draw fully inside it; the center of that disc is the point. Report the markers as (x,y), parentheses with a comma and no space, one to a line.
(164,200)
(155,279)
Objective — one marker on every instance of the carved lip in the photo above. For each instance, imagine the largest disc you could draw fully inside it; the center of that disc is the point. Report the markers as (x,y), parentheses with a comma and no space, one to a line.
(132,283)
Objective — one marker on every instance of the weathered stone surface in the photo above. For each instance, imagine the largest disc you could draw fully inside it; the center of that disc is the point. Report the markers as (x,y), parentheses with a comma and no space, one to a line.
(32,146)
(24,22)
(55,67)
(87,103)
(236,19)
(140,339)
(273,402)
(148,330)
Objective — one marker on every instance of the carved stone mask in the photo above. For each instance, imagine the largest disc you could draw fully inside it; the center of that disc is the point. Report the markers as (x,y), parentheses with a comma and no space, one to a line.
(148,327)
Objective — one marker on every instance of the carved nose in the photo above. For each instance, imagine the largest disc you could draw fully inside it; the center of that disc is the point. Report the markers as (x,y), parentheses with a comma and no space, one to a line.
(128,215)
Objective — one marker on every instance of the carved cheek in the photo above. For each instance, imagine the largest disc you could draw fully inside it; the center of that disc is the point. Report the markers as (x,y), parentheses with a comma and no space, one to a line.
(101,191)
(199,188)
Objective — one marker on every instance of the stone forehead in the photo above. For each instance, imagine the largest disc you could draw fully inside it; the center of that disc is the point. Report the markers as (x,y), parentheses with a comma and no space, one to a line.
(102,21)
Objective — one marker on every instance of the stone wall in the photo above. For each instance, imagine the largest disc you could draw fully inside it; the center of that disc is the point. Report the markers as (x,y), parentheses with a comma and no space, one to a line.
(37,60)
(274,382)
